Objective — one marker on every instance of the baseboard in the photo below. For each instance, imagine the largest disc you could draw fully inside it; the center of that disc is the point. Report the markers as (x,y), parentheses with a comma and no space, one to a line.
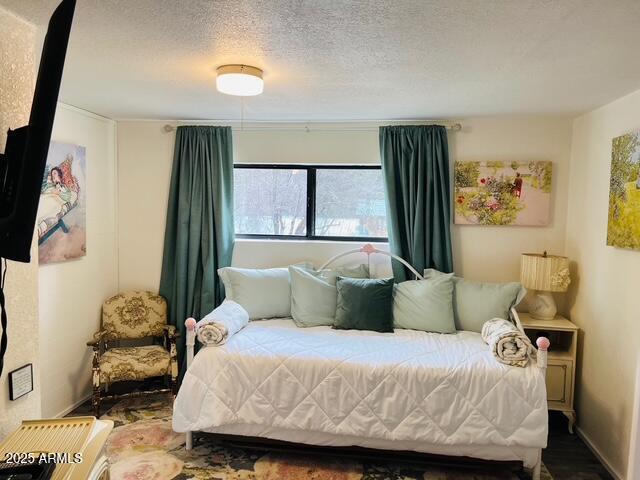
(587,441)
(68,410)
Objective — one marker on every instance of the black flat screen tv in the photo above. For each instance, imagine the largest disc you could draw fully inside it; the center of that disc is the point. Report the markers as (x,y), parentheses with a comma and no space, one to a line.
(23,162)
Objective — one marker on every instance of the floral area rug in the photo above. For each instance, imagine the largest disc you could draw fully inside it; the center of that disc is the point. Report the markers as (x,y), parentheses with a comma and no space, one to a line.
(143,446)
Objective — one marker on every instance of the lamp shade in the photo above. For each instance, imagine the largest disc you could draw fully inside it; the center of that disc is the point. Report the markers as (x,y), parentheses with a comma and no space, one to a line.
(548,273)
(239,80)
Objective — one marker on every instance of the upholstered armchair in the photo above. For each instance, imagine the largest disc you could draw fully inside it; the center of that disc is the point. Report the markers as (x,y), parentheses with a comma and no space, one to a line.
(132,316)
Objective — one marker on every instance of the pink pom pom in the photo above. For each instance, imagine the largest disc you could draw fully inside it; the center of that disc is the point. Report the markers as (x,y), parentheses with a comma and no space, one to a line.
(368,249)
(190,323)
(543,343)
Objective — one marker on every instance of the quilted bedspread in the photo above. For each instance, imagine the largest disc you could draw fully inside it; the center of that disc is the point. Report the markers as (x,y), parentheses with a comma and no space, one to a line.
(407,385)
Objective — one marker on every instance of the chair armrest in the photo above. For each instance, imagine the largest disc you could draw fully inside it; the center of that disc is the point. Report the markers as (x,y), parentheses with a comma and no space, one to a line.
(170,336)
(171,331)
(97,339)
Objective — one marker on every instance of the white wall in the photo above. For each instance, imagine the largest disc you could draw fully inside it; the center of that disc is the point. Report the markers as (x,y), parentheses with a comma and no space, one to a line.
(493,253)
(145,154)
(606,281)
(144,168)
(71,293)
(17,76)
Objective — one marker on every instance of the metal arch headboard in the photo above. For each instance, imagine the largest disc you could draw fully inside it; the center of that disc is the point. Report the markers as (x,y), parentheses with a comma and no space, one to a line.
(370,249)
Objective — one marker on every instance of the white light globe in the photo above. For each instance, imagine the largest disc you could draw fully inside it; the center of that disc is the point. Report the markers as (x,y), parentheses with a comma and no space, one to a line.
(239,80)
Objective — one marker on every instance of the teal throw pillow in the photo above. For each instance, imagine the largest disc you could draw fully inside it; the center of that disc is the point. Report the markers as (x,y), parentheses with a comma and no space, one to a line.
(364,304)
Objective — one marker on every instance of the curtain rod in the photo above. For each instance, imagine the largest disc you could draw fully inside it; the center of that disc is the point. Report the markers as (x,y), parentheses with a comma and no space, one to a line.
(454,127)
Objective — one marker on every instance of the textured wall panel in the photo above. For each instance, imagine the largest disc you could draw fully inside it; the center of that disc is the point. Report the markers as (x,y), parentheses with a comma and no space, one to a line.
(17,74)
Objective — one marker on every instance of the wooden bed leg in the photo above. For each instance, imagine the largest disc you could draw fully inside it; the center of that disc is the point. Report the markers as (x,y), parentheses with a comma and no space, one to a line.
(537,468)
(189,443)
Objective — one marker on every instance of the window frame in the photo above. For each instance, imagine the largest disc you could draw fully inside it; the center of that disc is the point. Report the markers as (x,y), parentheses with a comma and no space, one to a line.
(311,170)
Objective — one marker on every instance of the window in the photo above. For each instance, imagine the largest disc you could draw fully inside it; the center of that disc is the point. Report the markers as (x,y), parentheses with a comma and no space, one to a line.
(270,201)
(309,201)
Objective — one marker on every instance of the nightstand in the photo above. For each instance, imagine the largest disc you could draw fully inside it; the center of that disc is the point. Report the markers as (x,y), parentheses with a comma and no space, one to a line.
(561,366)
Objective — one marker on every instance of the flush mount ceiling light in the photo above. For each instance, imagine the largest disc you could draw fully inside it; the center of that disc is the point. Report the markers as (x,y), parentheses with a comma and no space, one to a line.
(240,80)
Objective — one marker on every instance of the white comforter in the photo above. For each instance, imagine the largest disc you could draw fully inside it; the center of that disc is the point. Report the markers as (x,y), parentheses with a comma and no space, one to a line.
(410,385)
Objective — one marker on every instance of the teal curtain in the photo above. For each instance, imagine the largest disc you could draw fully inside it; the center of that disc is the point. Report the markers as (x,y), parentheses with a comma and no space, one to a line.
(199,232)
(415,166)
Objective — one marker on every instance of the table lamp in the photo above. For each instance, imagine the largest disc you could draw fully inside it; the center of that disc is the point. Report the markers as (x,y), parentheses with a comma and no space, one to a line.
(544,274)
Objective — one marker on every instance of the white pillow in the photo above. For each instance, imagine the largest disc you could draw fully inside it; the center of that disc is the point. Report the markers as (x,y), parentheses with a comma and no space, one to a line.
(263,293)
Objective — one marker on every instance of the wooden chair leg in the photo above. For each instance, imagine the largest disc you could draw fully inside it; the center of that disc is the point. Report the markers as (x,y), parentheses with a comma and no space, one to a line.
(95,401)
(174,366)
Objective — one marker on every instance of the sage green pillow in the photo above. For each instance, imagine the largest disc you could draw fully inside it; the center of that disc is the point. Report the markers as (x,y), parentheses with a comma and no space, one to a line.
(313,298)
(425,305)
(263,293)
(314,294)
(475,303)
(332,274)
(364,304)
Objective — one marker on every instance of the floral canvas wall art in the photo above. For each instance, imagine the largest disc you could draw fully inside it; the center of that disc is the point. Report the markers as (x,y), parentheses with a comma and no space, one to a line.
(61,220)
(503,193)
(624,192)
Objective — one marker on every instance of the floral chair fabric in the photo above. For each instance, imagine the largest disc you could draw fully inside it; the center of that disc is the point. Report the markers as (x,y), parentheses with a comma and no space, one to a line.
(134,363)
(129,316)
(134,315)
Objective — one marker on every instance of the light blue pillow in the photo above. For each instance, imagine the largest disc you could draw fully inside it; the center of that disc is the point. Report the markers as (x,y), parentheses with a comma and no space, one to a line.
(314,294)
(475,303)
(425,305)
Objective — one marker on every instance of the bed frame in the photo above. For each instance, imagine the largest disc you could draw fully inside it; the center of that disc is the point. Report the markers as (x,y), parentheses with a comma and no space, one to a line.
(542,343)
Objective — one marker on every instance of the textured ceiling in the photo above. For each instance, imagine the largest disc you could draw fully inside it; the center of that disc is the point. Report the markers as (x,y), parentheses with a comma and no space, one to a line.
(348,60)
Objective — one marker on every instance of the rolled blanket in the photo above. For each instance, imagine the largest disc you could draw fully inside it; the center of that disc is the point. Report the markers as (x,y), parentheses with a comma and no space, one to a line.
(223,322)
(508,344)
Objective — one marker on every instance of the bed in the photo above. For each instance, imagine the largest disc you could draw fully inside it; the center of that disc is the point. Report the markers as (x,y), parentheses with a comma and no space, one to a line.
(416,391)
(410,390)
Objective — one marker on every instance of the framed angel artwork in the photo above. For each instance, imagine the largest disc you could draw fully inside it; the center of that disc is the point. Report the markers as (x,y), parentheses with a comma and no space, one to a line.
(61,221)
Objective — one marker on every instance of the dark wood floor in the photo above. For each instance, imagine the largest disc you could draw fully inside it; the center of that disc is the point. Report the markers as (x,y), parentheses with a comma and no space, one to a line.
(566,456)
